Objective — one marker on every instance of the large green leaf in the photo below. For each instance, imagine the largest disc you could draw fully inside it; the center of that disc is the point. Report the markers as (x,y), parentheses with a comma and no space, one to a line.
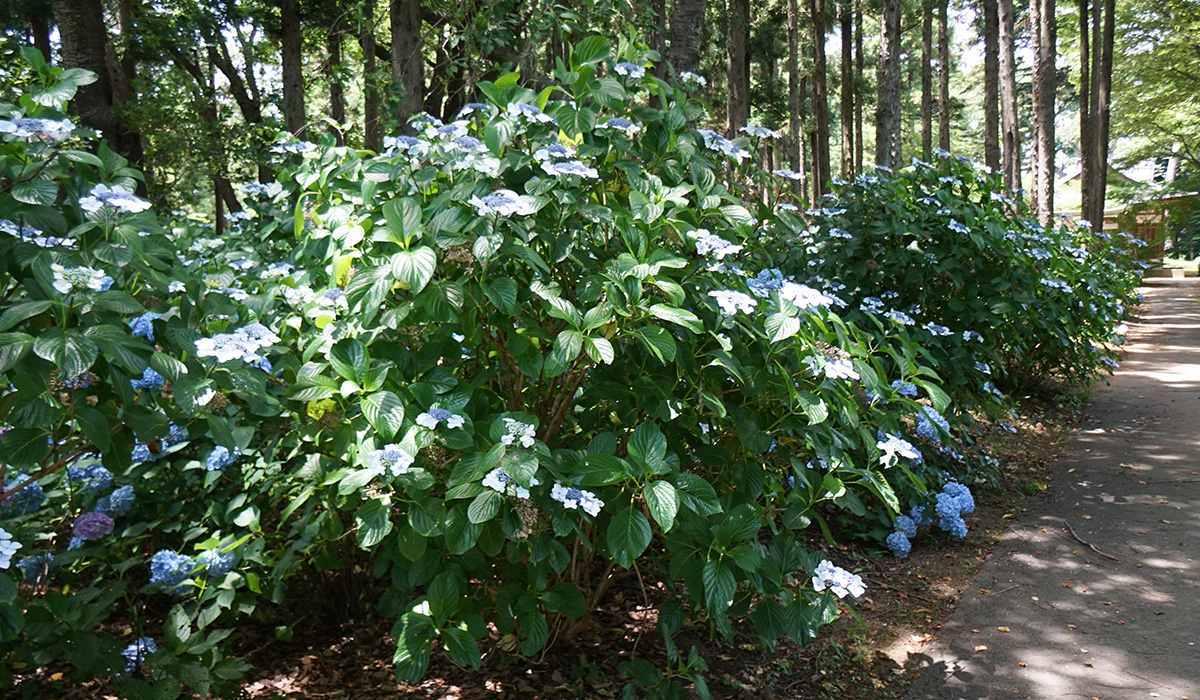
(658,341)
(663,502)
(385,412)
(679,316)
(13,347)
(117,343)
(628,536)
(485,506)
(719,586)
(462,647)
(23,447)
(648,443)
(19,312)
(502,292)
(414,267)
(95,427)
(373,522)
(70,350)
(39,191)
(591,50)
(403,218)
(349,359)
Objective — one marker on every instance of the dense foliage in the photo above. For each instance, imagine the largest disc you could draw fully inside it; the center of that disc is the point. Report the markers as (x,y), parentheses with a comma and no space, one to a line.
(492,369)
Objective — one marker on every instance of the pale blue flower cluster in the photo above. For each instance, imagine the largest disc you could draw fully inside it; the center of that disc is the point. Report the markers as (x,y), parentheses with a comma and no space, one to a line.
(8,547)
(927,419)
(142,327)
(690,78)
(839,581)
(707,243)
(433,416)
(732,301)
(116,197)
(528,112)
(243,344)
(116,503)
(25,501)
(761,132)
(499,481)
(169,570)
(49,130)
(805,297)
(516,431)
(953,502)
(836,368)
(572,498)
(221,457)
(957,227)
(935,329)
(68,279)
(899,544)
(570,167)
(503,203)
(790,175)
(34,236)
(765,282)
(1056,284)
(390,458)
(629,70)
(717,142)
(900,317)
(91,475)
(972,335)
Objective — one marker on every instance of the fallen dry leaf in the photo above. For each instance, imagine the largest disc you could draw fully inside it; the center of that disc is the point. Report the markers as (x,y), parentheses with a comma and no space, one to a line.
(1003,629)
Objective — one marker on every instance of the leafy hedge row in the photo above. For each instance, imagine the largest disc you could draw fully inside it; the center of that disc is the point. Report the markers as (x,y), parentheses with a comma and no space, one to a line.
(493,369)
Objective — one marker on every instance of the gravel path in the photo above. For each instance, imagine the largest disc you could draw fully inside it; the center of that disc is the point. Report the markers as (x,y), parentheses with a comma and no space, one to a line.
(1095,592)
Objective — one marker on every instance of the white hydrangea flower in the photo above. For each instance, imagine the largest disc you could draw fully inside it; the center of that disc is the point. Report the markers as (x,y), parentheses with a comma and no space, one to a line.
(67,279)
(500,482)
(391,458)
(572,498)
(517,430)
(8,547)
(117,197)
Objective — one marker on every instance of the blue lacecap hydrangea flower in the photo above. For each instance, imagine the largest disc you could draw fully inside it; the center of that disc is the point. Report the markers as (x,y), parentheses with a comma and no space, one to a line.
(25,501)
(898,544)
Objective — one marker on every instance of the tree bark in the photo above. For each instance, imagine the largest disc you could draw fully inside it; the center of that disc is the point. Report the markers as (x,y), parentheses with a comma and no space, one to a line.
(847,87)
(1087,139)
(687,28)
(887,107)
(795,126)
(737,102)
(820,96)
(859,134)
(991,85)
(1042,26)
(39,33)
(944,75)
(1103,113)
(927,79)
(408,65)
(337,93)
(292,61)
(84,40)
(372,133)
(1008,98)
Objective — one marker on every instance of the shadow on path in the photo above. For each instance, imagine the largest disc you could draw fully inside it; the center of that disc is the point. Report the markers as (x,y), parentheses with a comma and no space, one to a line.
(1098,585)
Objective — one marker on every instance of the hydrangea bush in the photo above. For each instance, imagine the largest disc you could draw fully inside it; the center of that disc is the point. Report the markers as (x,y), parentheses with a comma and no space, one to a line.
(564,339)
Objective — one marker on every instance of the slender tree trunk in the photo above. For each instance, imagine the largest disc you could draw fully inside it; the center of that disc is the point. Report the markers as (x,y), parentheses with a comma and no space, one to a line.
(859,134)
(737,104)
(847,87)
(944,75)
(1087,139)
(687,28)
(292,68)
(1042,25)
(991,85)
(408,64)
(39,34)
(372,133)
(887,107)
(657,41)
(1008,98)
(1103,113)
(820,100)
(927,79)
(337,93)
(795,126)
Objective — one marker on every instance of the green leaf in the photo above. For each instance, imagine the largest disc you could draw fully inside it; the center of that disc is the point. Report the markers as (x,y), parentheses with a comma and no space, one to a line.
(385,412)
(565,598)
(95,427)
(118,301)
(485,506)
(462,647)
(498,133)
(695,493)
(19,312)
(116,342)
(502,292)
(70,350)
(373,522)
(536,631)
(23,447)
(168,366)
(39,191)
(781,327)
(403,218)
(663,503)
(679,316)
(719,586)
(814,407)
(591,50)
(13,347)
(648,443)
(628,536)
(604,469)
(599,349)
(658,341)
(414,267)
(12,621)
(349,358)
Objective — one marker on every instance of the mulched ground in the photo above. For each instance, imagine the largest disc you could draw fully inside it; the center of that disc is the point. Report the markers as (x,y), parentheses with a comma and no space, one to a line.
(862,656)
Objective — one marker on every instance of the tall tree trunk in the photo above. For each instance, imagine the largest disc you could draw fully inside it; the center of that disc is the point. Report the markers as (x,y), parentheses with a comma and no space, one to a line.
(846,19)
(887,106)
(657,41)
(337,93)
(991,85)
(1008,98)
(795,126)
(687,28)
(39,33)
(859,134)
(372,132)
(927,78)
(1103,114)
(820,100)
(1042,25)
(944,75)
(84,40)
(737,103)
(1087,139)
(292,60)
(408,64)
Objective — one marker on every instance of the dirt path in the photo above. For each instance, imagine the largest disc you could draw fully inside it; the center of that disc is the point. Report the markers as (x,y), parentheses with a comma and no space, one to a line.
(1095,593)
